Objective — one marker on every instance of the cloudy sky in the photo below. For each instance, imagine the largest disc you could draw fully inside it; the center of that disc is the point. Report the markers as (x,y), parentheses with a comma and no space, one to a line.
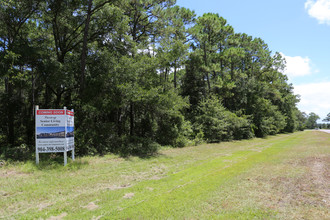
(298,29)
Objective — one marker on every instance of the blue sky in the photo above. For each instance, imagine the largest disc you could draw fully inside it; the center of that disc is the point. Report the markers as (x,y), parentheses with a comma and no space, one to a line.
(299,29)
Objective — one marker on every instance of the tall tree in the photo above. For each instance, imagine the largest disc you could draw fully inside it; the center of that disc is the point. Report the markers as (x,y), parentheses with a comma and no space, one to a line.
(14,41)
(209,34)
(311,122)
(174,38)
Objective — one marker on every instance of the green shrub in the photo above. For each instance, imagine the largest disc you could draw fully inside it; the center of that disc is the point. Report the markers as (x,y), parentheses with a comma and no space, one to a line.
(215,123)
(267,118)
(137,146)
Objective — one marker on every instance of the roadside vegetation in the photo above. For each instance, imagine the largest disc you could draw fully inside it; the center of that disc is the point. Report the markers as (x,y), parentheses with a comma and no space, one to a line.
(139,75)
(280,177)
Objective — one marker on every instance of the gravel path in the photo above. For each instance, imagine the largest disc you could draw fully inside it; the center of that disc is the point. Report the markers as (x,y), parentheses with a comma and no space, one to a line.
(328,131)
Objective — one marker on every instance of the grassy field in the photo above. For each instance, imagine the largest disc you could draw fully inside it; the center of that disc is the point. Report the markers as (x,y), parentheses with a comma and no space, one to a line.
(281,177)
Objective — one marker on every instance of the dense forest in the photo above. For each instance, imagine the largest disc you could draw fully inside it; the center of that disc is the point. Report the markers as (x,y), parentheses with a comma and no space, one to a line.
(139,74)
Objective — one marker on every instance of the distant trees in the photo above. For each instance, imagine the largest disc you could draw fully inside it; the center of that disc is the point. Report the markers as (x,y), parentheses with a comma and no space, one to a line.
(327,118)
(139,74)
(325,125)
(311,122)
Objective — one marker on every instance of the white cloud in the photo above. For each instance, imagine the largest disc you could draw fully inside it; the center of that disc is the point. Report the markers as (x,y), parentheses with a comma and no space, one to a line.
(314,98)
(297,66)
(319,9)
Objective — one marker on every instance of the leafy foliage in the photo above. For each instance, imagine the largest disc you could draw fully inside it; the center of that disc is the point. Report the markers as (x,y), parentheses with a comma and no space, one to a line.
(218,124)
(311,121)
(139,74)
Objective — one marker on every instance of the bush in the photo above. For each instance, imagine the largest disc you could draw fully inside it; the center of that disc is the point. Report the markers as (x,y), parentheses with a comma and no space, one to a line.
(211,120)
(267,118)
(238,127)
(215,123)
(21,152)
(199,138)
(137,146)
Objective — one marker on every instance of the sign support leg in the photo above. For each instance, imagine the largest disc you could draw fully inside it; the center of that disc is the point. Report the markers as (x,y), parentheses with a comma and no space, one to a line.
(35,134)
(65,157)
(72,154)
(37,157)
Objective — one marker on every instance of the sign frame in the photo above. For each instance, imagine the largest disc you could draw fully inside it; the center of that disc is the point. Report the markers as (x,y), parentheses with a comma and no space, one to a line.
(54,132)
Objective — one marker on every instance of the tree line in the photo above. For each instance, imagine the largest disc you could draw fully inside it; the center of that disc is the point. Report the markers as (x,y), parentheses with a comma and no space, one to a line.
(139,74)
(312,122)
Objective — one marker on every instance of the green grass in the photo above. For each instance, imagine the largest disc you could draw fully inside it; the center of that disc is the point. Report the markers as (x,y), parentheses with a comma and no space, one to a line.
(284,176)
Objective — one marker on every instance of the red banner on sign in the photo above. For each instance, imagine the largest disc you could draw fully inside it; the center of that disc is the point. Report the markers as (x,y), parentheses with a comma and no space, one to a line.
(50,112)
(69,113)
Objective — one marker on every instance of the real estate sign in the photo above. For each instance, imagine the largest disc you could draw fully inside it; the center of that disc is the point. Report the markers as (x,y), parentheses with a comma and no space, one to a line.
(54,131)
(69,130)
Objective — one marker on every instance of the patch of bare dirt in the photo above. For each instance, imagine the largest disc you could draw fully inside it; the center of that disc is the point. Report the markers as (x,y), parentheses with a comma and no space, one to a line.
(321,177)
(59,217)
(128,195)
(91,206)
(259,149)
(115,187)
(97,218)
(313,188)
(43,206)
(12,173)
(3,193)
(156,173)
(156,178)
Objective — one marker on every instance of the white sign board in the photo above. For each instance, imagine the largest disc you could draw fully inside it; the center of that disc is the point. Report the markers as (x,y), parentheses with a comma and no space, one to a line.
(69,130)
(54,131)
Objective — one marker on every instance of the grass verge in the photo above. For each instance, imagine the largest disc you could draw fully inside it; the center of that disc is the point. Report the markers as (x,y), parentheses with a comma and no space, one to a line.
(284,176)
